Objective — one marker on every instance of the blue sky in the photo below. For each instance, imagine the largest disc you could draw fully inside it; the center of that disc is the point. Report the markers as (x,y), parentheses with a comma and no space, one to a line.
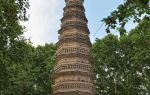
(96,10)
(45,15)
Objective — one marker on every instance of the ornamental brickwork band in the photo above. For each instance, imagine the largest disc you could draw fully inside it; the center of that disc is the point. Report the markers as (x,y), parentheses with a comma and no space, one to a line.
(73,73)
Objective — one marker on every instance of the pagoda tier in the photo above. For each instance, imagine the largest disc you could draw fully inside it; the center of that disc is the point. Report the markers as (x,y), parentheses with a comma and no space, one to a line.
(73,73)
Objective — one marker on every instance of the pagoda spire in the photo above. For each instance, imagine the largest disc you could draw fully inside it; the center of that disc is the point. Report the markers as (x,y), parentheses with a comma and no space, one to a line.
(73,73)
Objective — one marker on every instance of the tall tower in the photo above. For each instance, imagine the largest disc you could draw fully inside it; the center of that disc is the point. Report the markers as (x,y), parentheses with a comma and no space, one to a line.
(73,73)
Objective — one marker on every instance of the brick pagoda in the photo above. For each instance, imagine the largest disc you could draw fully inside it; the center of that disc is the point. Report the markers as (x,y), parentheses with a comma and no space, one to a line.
(73,74)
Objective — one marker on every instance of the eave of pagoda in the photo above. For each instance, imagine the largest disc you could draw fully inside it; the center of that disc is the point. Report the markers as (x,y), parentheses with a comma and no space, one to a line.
(75,26)
(77,92)
(78,40)
(79,87)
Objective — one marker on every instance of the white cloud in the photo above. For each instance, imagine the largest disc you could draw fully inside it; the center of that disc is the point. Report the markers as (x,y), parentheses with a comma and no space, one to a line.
(44,21)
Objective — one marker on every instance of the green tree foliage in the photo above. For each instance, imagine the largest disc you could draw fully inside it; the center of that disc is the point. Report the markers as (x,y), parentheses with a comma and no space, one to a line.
(20,79)
(11,11)
(42,66)
(122,64)
(130,10)
(24,69)
(27,70)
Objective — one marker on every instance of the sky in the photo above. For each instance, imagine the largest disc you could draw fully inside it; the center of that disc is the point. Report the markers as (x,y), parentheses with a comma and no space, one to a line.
(44,20)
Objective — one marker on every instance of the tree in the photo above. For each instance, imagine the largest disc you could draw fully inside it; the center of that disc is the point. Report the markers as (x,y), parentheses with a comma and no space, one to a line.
(29,69)
(20,79)
(42,68)
(122,64)
(24,69)
(130,10)
(11,12)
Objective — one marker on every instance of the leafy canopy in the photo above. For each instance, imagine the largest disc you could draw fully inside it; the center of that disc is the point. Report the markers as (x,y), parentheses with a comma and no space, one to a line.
(130,10)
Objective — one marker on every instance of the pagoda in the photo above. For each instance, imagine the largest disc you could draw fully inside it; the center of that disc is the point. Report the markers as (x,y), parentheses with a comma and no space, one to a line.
(73,73)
